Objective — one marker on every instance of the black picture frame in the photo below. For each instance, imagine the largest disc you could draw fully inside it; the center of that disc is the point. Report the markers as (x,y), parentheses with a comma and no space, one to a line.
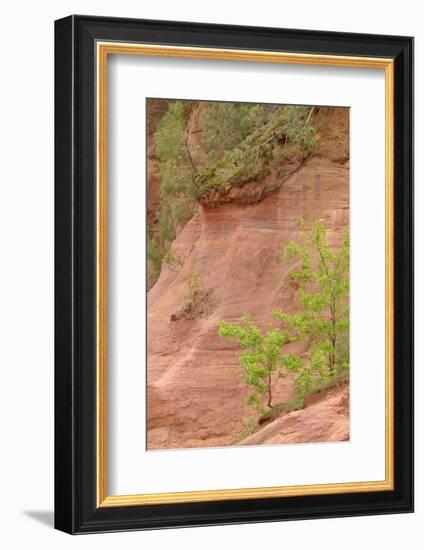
(76,510)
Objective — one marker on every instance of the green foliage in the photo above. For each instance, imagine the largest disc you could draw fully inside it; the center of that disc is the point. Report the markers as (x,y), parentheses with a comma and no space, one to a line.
(260,359)
(177,171)
(171,132)
(248,429)
(321,275)
(176,164)
(173,260)
(194,283)
(198,301)
(156,250)
(322,279)
(245,141)
(296,403)
(226,125)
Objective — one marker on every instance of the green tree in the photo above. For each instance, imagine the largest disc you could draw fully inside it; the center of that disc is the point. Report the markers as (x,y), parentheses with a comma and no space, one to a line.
(322,279)
(177,171)
(260,359)
(177,168)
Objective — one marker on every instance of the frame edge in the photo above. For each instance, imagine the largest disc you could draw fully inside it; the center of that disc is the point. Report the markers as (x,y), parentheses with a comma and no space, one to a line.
(64,448)
(68,440)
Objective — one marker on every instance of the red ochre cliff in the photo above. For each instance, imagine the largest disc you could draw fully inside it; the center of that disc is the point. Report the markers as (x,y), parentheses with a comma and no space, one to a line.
(195,391)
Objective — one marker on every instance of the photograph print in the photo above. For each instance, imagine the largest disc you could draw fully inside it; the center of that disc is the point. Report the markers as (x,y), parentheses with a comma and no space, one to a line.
(247,274)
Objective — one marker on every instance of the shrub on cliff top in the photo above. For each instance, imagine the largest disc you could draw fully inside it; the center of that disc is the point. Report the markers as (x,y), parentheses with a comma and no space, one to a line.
(268,129)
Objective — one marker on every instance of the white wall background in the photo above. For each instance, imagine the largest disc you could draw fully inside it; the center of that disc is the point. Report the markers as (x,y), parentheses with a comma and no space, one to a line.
(26,273)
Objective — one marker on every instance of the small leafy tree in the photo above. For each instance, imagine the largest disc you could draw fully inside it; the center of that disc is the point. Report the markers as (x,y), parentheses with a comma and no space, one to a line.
(260,357)
(322,279)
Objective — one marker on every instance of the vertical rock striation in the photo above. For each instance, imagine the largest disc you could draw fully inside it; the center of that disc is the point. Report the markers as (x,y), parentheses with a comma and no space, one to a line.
(195,392)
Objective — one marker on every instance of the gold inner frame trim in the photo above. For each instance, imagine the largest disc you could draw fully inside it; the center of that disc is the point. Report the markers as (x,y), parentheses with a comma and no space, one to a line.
(103,50)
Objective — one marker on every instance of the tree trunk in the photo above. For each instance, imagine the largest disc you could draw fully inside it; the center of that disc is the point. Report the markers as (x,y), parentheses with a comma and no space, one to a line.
(332,357)
(269,390)
(333,338)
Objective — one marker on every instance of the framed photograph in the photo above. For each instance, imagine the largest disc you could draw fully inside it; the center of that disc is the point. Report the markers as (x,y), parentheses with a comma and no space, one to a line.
(234,274)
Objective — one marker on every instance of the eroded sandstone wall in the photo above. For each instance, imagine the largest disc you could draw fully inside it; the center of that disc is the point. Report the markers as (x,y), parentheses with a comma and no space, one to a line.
(195,391)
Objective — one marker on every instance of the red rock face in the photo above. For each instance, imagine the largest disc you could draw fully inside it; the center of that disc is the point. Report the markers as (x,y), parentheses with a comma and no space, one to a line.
(195,392)
(326,418)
